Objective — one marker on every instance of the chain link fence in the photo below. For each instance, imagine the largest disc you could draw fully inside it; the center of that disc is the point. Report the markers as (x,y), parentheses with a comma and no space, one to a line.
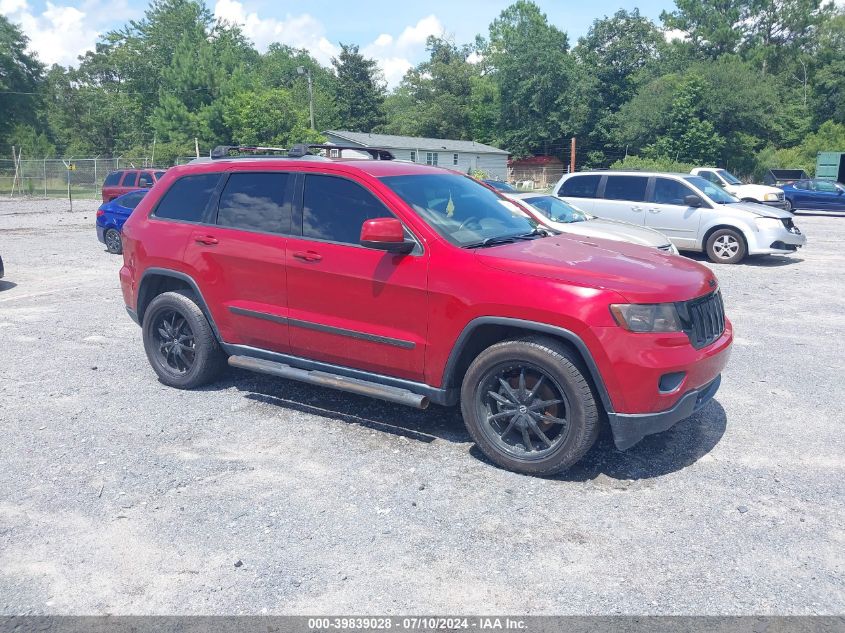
(80,178)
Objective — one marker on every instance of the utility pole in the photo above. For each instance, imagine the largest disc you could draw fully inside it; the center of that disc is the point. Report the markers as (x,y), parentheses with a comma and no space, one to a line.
(307,72)
(572,157)
(197,146)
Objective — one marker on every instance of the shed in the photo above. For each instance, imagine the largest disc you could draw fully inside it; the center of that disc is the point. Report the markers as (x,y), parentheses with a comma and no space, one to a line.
(542,171)
(775,177)
(463,156)
(831,166)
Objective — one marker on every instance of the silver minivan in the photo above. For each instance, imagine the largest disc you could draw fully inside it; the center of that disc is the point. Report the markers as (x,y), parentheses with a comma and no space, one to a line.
(696,215)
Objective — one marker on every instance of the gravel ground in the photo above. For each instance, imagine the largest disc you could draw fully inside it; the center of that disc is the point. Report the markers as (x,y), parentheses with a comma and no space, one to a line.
(256,495)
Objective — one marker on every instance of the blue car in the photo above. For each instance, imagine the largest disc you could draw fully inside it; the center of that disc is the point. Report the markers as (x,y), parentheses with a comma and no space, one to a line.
(813,194)
(111,216)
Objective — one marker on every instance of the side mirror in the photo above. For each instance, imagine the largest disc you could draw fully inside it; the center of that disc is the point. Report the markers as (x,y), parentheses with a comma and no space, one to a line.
(385,234)
(692,201)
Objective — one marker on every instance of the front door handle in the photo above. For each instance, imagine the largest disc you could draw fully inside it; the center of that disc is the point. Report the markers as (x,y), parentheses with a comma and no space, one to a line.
(637,209)
(654,210)
(208,240)
(308,256)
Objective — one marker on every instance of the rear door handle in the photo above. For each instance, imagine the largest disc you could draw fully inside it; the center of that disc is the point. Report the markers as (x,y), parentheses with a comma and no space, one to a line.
(637,209)
(208,240)
(308,256)
(654,210)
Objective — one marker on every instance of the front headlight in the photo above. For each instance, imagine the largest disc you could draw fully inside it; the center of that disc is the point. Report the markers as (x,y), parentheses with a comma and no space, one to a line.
(646,317)
(771,197)
(767,223)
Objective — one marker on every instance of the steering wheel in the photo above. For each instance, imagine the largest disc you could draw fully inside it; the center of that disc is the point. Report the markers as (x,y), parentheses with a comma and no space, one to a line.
(464,224)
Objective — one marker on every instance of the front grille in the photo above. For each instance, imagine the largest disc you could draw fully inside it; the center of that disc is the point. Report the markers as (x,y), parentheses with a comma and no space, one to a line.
(780,196)
(790,226)
(703,319)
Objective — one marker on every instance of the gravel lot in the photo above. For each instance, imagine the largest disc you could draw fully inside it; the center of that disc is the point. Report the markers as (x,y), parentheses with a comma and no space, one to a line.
(255,495)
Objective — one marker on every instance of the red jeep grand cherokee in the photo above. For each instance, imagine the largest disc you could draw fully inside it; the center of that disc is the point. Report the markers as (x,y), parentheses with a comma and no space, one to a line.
(415,284)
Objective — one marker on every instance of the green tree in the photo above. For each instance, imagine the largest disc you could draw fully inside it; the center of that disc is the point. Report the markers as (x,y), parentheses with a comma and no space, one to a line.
(714,27)
(690,136)
(359,90)
(268,116)
(828,90)
(538,82)
(20,80)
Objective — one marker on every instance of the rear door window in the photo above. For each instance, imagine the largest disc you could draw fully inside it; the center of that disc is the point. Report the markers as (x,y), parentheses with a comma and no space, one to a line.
(668,191)
(130,179)
(255,202)
(145,179)
(188,198)
(131,200)
(112,179)
(629,188)
(334,209)
(580,186)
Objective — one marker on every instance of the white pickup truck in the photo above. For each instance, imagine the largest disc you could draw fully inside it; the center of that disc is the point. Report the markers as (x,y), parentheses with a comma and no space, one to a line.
(763,194)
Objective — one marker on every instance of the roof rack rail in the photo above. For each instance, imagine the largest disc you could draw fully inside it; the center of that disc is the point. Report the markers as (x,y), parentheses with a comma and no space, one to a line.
(228,151)
(376,153)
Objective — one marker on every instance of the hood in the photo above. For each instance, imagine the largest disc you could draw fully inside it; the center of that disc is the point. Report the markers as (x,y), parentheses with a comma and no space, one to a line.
(760,210)
(613,230)
(752,191)
(639,274)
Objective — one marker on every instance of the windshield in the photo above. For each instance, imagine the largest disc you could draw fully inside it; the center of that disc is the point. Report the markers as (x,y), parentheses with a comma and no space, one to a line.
(714,192)
(556,209)
(463,211)
(728,177)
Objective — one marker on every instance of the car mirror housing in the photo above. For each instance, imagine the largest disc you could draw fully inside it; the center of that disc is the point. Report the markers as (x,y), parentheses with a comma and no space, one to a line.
(386,234)
(692,201)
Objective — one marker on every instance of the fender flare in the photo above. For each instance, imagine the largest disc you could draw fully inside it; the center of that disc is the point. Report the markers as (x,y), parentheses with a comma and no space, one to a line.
(543,328)
(175,274)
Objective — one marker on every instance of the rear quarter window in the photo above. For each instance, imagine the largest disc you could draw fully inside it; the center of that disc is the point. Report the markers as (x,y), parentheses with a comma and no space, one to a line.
(112,179)
(130,179)
(580,186)
(188,198)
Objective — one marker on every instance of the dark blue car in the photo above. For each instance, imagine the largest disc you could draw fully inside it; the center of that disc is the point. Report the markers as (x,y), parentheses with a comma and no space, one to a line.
(111,216)
(813,194)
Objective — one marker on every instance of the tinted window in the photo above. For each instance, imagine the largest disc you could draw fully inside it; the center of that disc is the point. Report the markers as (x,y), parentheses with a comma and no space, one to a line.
(131,200)
(709,175)
(187,198)
(334,209)
(145,179)
(670,192)
(130,179)
(255,202)
(825,185)
(159,175)
(630,188)
(556,209)
(580,187)
(112,179)
(801,184)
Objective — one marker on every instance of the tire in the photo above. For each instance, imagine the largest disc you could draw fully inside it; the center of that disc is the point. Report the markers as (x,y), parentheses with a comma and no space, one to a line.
(726,246)
(198,360)
(114,244)
(502,437)
(789,206)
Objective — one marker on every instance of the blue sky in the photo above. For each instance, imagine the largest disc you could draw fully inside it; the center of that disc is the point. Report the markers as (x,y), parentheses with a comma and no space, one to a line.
(391,32)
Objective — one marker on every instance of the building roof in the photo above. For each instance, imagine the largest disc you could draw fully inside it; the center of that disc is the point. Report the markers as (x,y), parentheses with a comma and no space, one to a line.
(392,141)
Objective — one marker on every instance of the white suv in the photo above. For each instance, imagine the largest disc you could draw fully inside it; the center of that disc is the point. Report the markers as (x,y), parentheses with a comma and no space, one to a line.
(693,213)
(771,196)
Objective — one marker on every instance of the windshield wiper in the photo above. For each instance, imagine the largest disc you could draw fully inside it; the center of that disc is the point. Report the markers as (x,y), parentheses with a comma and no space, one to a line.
(493,241)
(537,232)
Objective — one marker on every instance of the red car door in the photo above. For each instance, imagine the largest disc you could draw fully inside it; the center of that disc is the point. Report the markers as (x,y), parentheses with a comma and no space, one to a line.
(239,253)
(129,182)
(350,305)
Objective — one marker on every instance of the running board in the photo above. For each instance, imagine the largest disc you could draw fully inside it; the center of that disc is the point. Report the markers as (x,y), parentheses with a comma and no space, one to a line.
(332,381)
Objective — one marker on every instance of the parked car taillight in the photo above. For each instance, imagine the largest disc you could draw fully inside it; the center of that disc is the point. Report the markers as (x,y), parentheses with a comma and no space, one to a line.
(100,213)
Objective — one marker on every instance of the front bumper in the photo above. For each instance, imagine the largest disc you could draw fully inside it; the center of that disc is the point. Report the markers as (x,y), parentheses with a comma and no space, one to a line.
(775,240)
(630,428)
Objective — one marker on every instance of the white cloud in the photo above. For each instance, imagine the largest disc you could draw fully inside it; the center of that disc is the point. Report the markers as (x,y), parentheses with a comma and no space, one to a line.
(392,52)
(300,31)
(671,35)
(61,33)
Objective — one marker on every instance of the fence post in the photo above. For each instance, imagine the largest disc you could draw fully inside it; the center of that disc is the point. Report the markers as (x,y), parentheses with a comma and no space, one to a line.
(45,177)
(95,177)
